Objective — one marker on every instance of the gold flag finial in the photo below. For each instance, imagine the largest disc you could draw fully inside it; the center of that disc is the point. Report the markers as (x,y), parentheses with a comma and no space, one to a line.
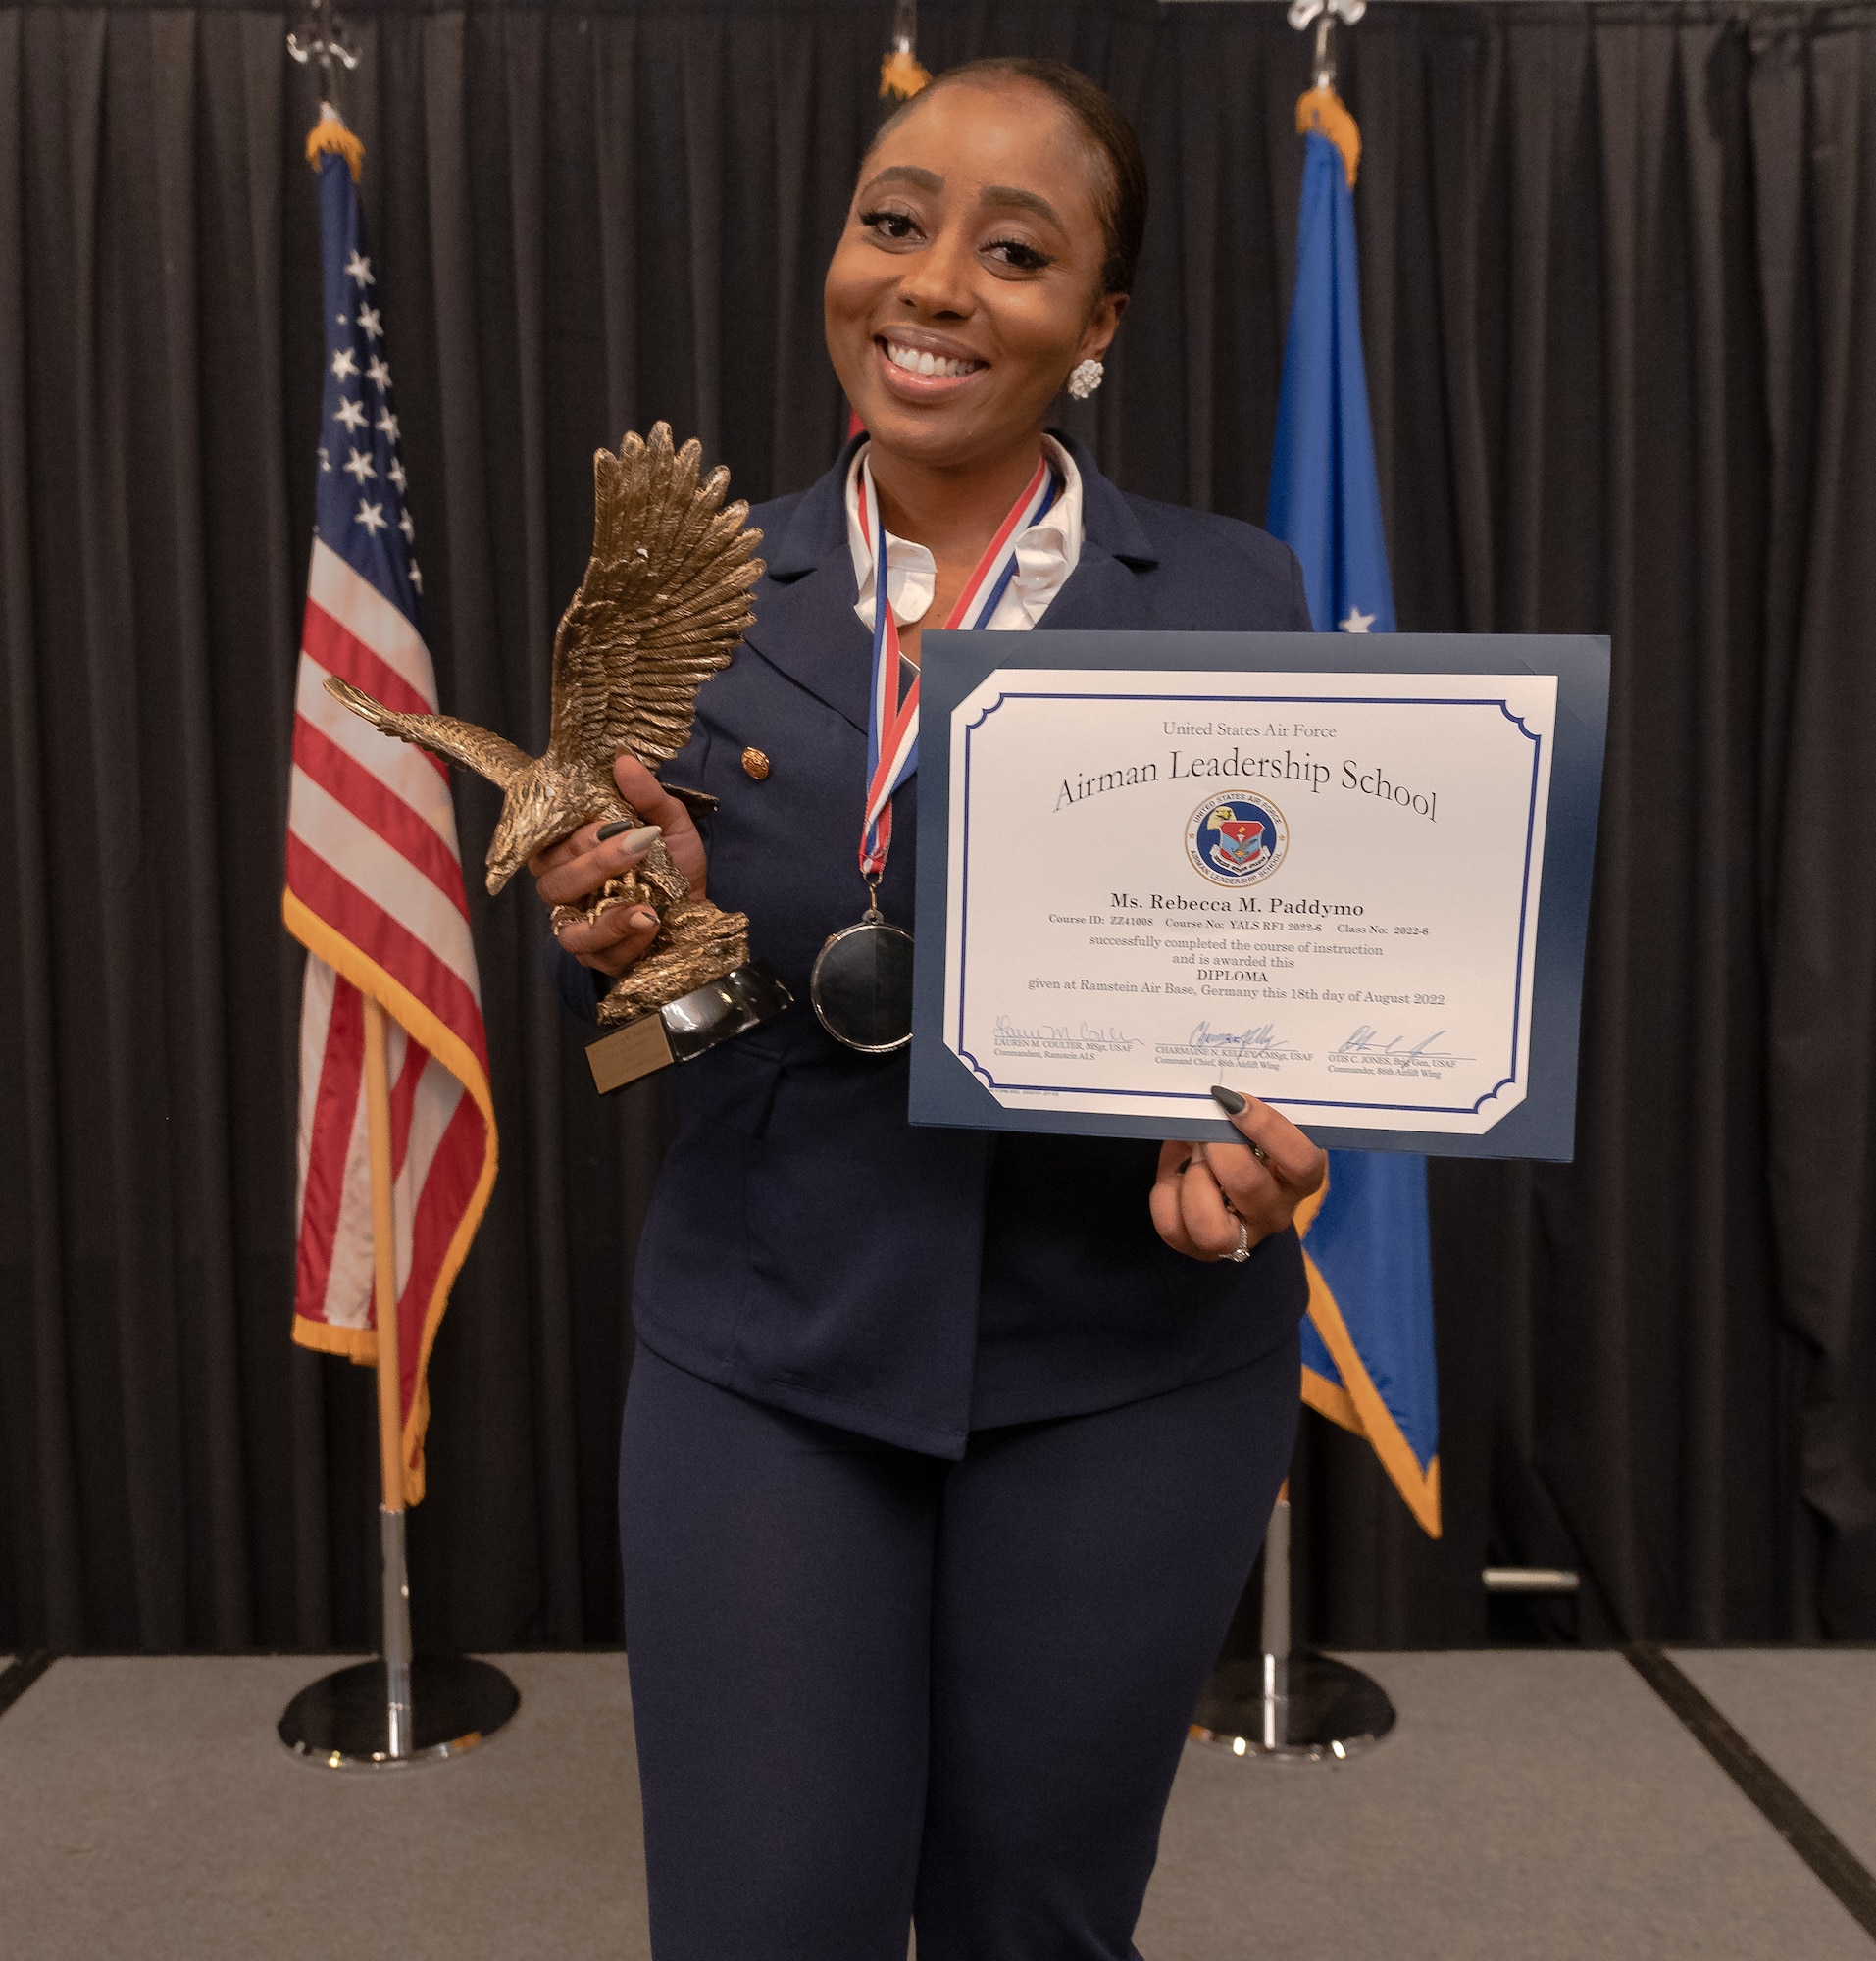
(330,137)
(1321,110)
(902,74)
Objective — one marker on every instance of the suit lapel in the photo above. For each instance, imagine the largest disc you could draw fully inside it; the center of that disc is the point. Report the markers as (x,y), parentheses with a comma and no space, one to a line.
(1101,591)
(807,629)
(1105,589)
(805,625)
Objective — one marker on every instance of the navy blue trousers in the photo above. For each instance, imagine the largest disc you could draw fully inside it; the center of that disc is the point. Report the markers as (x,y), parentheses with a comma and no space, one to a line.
(874,1688)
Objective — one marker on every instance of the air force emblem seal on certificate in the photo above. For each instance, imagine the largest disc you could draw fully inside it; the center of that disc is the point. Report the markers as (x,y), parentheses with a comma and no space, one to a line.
(1237,840)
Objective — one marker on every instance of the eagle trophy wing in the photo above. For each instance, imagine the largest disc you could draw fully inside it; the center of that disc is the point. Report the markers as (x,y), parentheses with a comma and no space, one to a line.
(489,755)
(663,604)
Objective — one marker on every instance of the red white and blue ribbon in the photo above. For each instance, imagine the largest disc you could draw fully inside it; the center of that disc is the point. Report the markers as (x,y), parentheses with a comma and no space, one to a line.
(892,721)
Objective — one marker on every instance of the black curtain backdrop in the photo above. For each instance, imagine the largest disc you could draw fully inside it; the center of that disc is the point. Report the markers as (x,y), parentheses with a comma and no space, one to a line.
(1620,292)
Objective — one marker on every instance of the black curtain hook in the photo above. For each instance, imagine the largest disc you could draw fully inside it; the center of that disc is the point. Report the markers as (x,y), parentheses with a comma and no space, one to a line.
(322,39)
(1323,16)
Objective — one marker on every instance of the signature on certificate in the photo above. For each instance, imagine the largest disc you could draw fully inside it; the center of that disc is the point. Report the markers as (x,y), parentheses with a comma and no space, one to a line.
(1060,1035)
(1204,1036)
(1371,1041)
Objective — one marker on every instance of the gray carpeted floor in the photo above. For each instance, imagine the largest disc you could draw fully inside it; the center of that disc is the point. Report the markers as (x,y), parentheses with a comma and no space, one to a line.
(1528,1806)
(1811,1714)
(147,1809)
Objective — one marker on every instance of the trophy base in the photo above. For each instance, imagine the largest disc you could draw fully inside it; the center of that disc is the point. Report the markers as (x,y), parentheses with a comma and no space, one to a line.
(683,1030)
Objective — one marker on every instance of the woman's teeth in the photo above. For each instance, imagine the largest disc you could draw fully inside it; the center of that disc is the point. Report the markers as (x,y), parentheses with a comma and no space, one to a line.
(917,361)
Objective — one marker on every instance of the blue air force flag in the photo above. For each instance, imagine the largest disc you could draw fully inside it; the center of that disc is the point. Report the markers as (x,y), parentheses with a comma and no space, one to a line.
(1368,1359)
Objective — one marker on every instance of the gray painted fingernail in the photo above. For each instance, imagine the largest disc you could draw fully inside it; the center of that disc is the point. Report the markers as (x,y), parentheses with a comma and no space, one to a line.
(1228,1100)
(639,838)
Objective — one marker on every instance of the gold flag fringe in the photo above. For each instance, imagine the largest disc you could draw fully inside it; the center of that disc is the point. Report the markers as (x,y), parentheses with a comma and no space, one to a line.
(1323,111)
(330,136)
(903,75)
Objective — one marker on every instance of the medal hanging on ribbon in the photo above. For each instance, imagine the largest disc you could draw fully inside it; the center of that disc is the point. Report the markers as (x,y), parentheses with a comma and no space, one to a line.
(861,986)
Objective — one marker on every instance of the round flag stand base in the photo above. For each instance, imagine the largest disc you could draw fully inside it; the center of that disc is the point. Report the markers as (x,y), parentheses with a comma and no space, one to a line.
(341,1722)
(1330,1712)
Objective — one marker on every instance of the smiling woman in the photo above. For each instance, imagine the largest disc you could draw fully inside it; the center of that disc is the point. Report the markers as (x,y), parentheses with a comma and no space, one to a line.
(988,252)
(945,1456)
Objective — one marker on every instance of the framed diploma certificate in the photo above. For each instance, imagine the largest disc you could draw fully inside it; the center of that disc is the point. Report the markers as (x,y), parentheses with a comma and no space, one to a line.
(1347,873)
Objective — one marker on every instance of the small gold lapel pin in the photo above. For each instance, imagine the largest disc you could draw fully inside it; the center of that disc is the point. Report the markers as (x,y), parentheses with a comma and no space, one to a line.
(755,764)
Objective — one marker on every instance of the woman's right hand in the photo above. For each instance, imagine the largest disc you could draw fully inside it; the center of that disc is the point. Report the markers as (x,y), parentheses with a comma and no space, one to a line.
(572,871)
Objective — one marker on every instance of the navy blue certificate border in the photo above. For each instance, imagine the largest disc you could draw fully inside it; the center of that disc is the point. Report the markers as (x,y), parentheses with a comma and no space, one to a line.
(945,1090)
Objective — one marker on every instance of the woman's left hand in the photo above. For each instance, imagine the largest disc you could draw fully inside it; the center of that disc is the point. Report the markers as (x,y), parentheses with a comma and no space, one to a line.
(1204,1192)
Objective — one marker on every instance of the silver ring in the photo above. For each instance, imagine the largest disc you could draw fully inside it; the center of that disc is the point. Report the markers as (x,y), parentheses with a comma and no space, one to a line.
(1243,1244)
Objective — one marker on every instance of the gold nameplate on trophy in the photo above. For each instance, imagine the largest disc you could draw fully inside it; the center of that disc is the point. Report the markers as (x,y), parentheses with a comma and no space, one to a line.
(731,1004)
(628,1053)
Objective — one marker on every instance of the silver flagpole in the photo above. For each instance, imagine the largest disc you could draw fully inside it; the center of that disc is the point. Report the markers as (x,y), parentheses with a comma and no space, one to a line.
(398,1729)
(1274,1690)
(1292,1705)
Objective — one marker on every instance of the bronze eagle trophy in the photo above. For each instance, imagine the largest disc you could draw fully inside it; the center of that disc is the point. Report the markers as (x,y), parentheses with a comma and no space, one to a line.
(661,609)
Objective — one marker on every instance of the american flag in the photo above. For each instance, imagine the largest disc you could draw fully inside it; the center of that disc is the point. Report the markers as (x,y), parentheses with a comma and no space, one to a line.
(374,876)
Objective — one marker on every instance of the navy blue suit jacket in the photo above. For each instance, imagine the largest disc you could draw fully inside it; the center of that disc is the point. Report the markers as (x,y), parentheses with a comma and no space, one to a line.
(808,1247)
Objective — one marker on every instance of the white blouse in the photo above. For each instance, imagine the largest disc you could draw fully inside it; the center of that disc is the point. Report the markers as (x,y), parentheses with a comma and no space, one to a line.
(1045,554)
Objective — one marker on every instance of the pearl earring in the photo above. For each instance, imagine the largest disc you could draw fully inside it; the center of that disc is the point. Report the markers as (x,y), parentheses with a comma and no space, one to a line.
(1083,379)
